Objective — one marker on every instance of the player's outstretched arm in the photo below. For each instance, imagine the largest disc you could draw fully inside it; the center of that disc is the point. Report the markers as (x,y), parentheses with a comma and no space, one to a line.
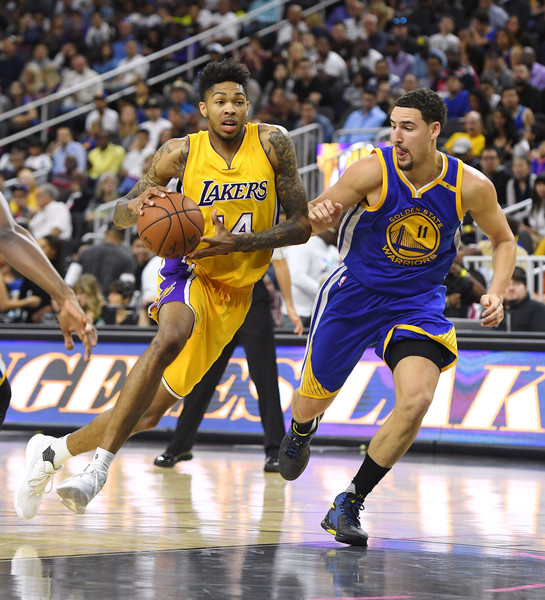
(168,162)
(23,253)
(358,182)
(479,198)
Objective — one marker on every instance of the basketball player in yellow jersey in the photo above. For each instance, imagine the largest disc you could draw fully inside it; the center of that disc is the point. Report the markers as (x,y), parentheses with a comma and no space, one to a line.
(236,172)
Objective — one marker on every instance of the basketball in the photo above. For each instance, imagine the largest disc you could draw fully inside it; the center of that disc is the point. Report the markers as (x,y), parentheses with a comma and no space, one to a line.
(173,227)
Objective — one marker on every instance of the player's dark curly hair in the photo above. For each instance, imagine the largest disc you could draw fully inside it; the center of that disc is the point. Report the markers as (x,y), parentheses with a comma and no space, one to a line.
(428,102)
(219,71)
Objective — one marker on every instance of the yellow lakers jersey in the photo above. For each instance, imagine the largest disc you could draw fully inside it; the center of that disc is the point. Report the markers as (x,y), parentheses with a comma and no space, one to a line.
(243,194)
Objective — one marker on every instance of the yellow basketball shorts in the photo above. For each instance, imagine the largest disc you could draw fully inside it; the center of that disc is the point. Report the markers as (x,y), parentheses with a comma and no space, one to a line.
(219,311)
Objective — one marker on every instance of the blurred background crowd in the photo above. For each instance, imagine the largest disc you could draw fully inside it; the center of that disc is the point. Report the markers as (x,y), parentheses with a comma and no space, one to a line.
(340,67)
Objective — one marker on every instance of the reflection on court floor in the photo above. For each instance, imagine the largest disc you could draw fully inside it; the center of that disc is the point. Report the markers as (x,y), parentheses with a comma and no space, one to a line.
(219,527)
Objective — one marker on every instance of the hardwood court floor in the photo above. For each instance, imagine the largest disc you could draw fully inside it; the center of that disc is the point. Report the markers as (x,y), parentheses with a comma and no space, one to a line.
(218,527)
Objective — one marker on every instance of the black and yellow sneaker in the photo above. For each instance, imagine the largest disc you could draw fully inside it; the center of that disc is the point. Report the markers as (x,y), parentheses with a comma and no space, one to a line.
(343,520)
(295,452)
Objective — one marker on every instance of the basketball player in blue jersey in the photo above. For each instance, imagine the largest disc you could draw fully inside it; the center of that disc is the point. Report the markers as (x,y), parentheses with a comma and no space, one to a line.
(24,254)
(239,173)
(402,208)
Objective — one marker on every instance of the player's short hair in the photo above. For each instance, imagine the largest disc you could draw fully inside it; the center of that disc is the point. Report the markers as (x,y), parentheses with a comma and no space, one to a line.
(219,71)
(428,102)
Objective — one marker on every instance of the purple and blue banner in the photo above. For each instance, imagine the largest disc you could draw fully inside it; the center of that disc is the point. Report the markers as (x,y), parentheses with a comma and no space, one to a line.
(491,397)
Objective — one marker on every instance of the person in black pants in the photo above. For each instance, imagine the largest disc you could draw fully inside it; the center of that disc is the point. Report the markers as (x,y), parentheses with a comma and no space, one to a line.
(256,335)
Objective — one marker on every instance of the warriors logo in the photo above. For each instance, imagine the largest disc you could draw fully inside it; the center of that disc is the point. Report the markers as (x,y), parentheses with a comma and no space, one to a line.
(413,238)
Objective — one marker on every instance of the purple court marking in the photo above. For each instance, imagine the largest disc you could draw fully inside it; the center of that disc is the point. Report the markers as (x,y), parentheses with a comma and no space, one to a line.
(369,598)
(519,587)
(530,555)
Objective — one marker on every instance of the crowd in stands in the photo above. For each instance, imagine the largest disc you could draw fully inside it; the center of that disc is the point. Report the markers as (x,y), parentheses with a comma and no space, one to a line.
(341,69)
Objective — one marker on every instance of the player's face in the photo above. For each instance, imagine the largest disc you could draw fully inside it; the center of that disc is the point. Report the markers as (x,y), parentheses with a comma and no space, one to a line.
(226,109)
(412,137)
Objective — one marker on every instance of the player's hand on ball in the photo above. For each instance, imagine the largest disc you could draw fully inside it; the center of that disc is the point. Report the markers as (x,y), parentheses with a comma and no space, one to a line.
(324,215)
(223,241)
(146,198)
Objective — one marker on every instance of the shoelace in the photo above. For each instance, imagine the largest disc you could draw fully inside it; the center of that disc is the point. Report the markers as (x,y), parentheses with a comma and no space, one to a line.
(294,447)
(351,508)
(39,483)
(94,474)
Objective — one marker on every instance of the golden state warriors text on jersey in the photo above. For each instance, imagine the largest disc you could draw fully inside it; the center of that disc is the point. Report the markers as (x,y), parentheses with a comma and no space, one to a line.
(405,243)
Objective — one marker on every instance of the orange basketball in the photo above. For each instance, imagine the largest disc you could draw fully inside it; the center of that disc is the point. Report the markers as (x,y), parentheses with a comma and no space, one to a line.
(173,227)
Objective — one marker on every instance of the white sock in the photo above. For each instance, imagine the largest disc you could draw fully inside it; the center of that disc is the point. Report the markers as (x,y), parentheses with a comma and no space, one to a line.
(102,459)
(60,449)
(351,489)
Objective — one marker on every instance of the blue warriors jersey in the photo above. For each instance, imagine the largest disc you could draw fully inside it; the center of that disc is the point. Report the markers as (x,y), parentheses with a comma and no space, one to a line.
(404,245)
(243,194)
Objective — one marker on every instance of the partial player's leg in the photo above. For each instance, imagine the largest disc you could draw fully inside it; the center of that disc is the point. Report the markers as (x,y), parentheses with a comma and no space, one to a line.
(257,338)
(195,406)
(294,451)
(175,326)
(5,397)
(45,455)
(413,398)
(338,337)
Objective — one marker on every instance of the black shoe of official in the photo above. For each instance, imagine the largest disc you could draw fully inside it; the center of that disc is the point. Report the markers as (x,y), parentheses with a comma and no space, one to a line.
(167,461)
(343,520)
(271,464)
(295,452)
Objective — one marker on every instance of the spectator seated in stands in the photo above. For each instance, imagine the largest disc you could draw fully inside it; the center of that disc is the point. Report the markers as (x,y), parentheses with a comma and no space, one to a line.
(464,288)
(369,116)
(119,310)
(63,146)
(154,122)
(457,100)
(310,115)
(521,185)
(491,165)
(534,223)
(52,217)
(106,260)
(521,312)
(89,295)
(106,157)
(11,163)
(132,168)
(19,204)
(107,118)
(473,130)
(38,161)
(53,248)
(462,149)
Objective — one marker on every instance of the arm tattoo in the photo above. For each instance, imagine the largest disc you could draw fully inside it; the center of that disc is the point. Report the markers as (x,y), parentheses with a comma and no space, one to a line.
(173,156)
(292,195)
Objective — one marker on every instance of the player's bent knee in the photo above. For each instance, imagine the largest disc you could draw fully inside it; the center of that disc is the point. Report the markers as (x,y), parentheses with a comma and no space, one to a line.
(413,409)
(168,344)
(149,421)
(306,408)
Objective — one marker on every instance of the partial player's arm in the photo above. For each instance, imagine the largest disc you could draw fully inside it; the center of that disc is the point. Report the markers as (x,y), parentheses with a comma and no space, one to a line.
(23,253)
(291,194)
(362,179)
(282,272)
(168,162)
(479,197)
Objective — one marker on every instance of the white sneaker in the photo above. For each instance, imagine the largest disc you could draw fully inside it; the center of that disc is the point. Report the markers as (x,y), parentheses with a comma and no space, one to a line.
(76,492)
(39,473)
